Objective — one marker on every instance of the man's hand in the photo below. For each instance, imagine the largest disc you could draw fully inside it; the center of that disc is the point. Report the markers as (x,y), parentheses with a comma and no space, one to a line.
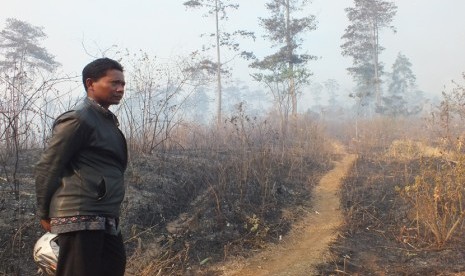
(45,224)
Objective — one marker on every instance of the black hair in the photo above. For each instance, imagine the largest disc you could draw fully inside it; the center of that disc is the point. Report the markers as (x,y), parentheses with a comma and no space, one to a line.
(98,68)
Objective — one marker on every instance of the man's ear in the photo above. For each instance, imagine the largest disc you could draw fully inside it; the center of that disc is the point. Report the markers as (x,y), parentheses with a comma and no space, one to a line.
(89,83)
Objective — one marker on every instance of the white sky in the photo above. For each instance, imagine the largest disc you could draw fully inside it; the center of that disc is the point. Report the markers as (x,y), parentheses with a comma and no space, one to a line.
(431,33)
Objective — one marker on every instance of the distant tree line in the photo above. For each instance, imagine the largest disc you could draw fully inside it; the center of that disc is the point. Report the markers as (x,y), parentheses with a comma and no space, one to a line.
(163,97)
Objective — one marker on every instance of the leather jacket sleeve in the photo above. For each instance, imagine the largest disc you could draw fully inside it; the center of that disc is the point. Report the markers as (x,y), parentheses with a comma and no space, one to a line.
(67,139)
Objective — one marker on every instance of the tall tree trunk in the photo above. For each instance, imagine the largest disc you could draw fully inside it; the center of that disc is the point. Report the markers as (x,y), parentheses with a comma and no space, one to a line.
(292,92)
(218,69)
(376,65)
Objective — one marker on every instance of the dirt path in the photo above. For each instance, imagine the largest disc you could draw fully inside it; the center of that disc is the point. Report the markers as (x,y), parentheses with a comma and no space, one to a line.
(306,244)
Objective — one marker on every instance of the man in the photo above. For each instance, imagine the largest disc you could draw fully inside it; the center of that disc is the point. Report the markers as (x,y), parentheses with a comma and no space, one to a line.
(80,178)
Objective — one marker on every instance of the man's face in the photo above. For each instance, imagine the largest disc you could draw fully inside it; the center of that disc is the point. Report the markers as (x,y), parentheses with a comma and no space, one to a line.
(107,90)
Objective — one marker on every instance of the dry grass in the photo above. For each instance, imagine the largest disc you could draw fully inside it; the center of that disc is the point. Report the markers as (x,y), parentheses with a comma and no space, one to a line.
(202,198)
(408,150)
(403,202)
(437,197)
(226,199)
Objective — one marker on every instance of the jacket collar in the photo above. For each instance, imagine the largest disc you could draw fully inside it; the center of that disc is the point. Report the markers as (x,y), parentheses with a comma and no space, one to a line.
(101,109)
(96,105)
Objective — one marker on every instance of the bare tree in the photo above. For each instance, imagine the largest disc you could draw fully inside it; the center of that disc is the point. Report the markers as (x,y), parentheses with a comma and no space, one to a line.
(156,94)
(25,70)
(223,40)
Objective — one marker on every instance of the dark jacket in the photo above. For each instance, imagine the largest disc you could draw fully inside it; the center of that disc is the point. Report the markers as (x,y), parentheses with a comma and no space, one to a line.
(81,172)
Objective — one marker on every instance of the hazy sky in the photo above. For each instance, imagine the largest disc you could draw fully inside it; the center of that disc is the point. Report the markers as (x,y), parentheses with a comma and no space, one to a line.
(431,33)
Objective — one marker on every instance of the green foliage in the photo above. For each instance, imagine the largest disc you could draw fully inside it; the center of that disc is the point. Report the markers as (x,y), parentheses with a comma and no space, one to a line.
(255,225)
(212,6)
(20,45)
(401,90)
(332,87)
(403,78)
(286,66)
(361,42)
(317,89)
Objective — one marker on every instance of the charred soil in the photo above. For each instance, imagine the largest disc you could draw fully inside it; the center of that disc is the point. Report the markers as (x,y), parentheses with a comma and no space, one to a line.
(306,245)
(184,211)
(378,236)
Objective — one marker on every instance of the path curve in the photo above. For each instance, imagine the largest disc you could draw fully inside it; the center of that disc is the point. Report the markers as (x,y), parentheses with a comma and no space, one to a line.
(308,241)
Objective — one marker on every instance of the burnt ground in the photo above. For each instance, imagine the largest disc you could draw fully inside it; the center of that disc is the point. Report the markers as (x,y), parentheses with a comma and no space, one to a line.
(305,246)
(208,209)
(19,227)
(378,237)
(183,211)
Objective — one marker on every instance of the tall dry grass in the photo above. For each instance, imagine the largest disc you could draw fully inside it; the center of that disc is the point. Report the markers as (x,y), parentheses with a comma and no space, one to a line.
(437,194)
(437,197)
